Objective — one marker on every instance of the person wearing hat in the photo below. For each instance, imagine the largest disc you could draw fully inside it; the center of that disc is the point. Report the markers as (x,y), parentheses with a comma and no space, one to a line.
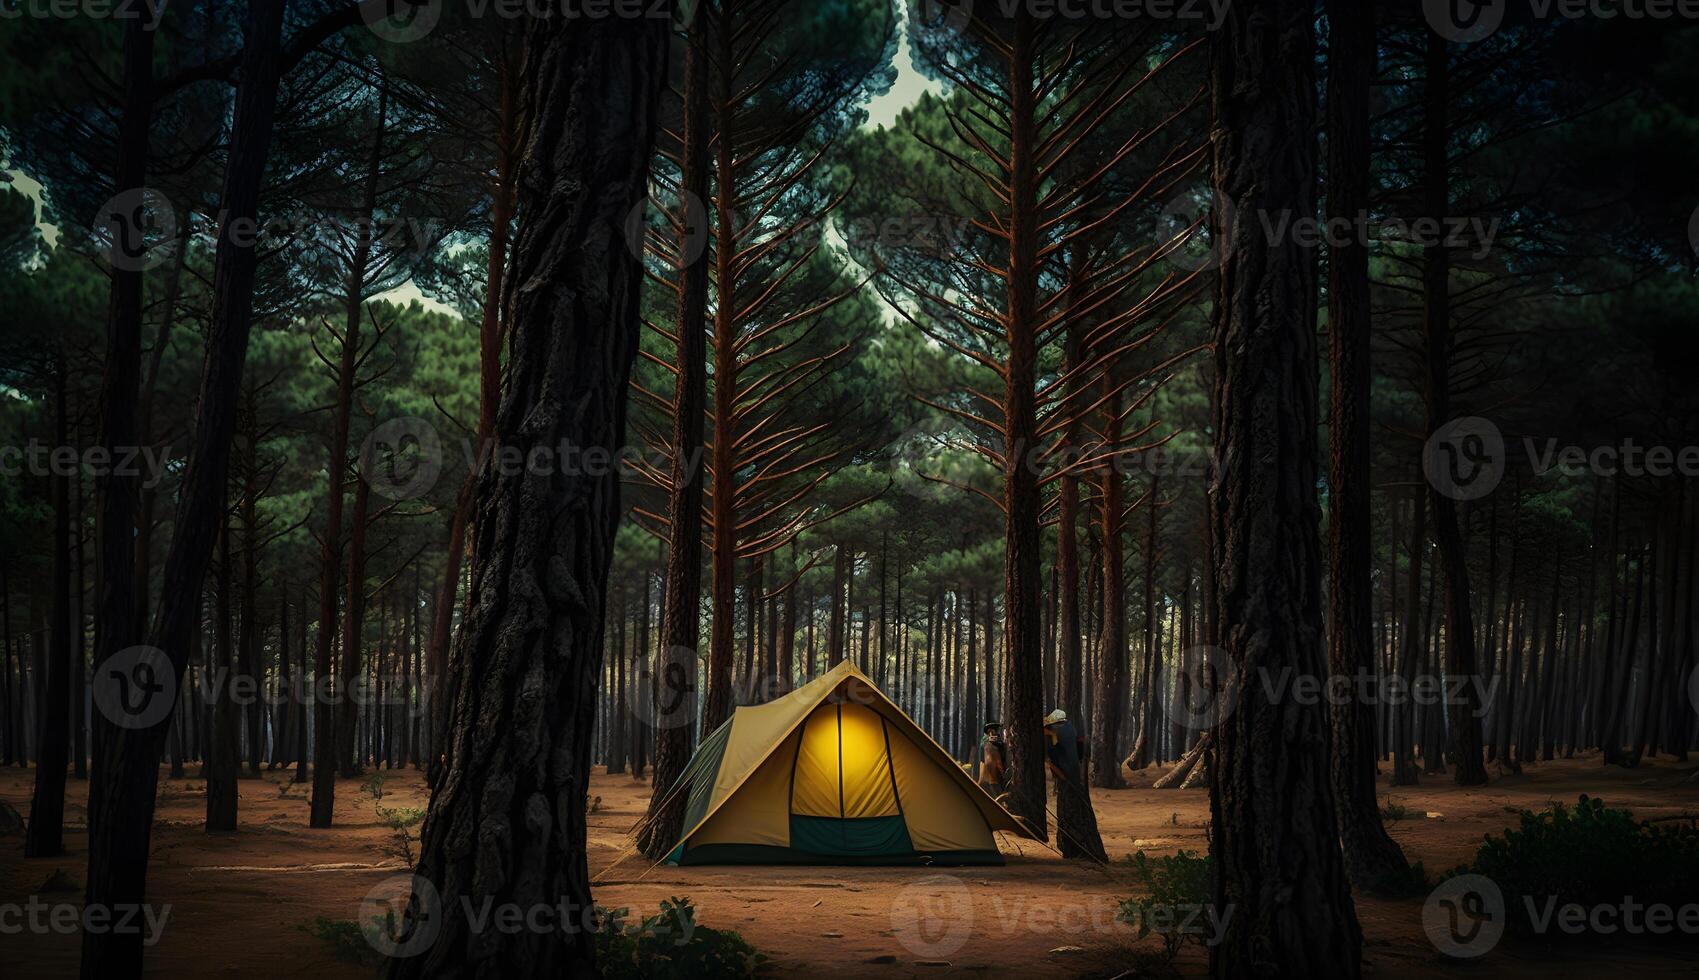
(1065,748)
(993,759)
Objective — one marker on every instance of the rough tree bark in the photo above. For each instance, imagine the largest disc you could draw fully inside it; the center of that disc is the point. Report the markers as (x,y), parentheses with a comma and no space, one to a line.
(507,820)
(1273,833)
(1372,860)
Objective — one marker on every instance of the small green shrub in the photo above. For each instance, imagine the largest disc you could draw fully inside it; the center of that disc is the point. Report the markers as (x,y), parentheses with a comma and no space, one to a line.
(1179,906)
(669,946)
(1392,811)
(347,943)
(1587,855)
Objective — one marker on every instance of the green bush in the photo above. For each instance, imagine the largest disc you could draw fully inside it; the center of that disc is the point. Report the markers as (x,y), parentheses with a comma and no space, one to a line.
(1179,903)
(347,943)
(669,946)
(1587,855)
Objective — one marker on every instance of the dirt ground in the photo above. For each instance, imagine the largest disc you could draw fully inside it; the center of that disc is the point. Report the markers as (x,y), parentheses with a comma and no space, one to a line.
(240,902)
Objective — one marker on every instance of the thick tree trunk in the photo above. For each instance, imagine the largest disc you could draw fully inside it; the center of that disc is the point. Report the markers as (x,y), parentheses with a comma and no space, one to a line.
(1273,833)
(673,691)
(126,779)
(1372,861)
(507,822)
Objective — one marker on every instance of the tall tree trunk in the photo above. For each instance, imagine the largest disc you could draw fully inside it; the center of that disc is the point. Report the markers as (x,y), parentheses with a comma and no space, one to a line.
(248,640)
(118,623)
(717,706)
(1151,670)
(1372,861)
(1465,716)
(45,834)
(1112,649)
(507,822)
(1023,671)
(681,603)
(1273,833)
(126,778)
(223,749)
(350,756)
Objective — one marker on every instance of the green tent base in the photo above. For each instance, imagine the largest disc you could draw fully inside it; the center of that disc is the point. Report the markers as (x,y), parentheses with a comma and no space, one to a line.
(703,854)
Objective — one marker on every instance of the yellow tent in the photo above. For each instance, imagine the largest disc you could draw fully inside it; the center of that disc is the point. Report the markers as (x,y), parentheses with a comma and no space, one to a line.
(833,773)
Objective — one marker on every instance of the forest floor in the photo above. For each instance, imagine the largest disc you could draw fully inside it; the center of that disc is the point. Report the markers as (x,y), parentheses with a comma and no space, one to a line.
(249,901)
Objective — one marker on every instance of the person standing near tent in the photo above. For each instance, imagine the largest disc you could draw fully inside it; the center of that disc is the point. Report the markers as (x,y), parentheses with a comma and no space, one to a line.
(1065,748)
(993,759)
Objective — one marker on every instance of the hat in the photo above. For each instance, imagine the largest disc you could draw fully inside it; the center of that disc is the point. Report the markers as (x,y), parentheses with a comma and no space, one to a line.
(1055,717)
(992,724)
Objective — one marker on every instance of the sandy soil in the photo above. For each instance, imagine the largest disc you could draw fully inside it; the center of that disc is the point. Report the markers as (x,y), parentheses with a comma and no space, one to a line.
(239,901)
